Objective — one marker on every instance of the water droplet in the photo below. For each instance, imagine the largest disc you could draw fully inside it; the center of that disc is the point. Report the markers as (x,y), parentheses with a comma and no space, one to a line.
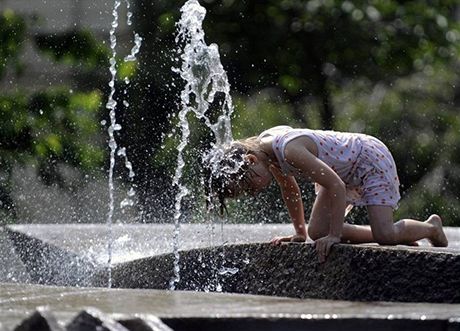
(228,271)
(121,151)
(135,49)
(126,202)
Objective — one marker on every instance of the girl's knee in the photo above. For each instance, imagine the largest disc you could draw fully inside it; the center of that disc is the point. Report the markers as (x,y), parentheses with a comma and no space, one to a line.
(315,232)
(386,236)
(383,228)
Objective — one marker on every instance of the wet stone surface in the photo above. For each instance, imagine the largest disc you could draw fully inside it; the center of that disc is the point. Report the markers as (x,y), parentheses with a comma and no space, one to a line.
(11,267)
(59,255)
(352,272)
(89,319)
(49,264)
(41,320)
(189,311)
(92,319)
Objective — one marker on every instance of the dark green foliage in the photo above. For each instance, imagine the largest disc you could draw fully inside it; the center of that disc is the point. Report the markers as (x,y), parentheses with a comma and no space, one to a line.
(74,47)
(304,48)
(44,128)
(314,63)
(49,127)
(381,67)
(12,33)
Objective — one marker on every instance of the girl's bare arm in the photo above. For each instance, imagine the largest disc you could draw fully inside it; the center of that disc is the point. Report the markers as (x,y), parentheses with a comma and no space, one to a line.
(319,172)
(291,194)
(297,154)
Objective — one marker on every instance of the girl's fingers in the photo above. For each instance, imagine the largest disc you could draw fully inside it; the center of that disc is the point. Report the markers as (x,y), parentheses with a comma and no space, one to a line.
(276,241)
(322,249)
(328,249)
(321,256)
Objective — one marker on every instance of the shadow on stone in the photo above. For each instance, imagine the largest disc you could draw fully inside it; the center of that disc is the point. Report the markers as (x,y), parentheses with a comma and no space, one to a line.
(352,272)
(92,319)
(145,324)
(351,324)
(40,320)
(12,270)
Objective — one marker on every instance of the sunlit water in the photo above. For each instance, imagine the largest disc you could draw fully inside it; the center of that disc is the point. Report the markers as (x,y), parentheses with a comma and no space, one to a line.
(205,78)
(114,126)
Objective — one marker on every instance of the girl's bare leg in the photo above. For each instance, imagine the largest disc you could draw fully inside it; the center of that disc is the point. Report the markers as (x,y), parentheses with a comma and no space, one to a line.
(318,225)
(405,231)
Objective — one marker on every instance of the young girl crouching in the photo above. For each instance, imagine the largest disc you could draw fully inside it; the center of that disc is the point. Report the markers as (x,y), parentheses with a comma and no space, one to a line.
(348,169)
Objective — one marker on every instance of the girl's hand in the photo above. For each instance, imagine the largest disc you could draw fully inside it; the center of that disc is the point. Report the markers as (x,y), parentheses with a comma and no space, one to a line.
(323,246)
(294,238)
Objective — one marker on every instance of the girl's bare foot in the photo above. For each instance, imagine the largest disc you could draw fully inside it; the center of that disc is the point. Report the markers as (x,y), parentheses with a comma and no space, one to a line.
(438,238)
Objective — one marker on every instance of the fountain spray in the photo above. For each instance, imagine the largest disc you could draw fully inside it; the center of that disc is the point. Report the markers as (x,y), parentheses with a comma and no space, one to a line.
(114,126)
(205,77)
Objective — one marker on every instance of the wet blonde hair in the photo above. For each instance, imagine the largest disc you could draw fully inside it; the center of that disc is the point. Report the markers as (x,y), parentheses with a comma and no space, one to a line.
(233,169)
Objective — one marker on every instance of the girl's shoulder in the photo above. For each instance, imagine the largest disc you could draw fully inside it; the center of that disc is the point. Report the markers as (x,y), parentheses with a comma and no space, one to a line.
(276,130)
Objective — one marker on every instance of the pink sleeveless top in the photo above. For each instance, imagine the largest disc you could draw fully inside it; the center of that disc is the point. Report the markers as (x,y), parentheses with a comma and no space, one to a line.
(363,162)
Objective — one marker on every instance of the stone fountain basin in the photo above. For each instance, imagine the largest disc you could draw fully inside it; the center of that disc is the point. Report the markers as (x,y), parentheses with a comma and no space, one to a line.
(352,272)
(58,255)
(75,255)
(190,311)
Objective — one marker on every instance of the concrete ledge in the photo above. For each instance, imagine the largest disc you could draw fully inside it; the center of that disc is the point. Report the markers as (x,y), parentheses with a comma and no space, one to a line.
(191,311)
(352,272)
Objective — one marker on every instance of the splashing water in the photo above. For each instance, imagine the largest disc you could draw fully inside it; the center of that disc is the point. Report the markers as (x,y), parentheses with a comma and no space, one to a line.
(203,72)
(128,201)
(114,126)
(228,271)
(111,105)
(135,49)
(205,77)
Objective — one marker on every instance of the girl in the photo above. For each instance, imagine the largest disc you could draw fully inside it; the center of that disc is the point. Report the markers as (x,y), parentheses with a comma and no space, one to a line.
(349,169)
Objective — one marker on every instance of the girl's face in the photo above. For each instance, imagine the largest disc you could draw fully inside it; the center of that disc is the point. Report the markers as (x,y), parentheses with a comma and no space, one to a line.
(258,178)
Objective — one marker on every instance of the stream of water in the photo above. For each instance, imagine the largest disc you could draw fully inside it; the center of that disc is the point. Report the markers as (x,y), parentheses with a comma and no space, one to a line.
(114,126)
(204,78)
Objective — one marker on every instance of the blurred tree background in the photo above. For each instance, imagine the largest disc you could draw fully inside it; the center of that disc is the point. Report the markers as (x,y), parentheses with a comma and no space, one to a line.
(386,68)
(47,127)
